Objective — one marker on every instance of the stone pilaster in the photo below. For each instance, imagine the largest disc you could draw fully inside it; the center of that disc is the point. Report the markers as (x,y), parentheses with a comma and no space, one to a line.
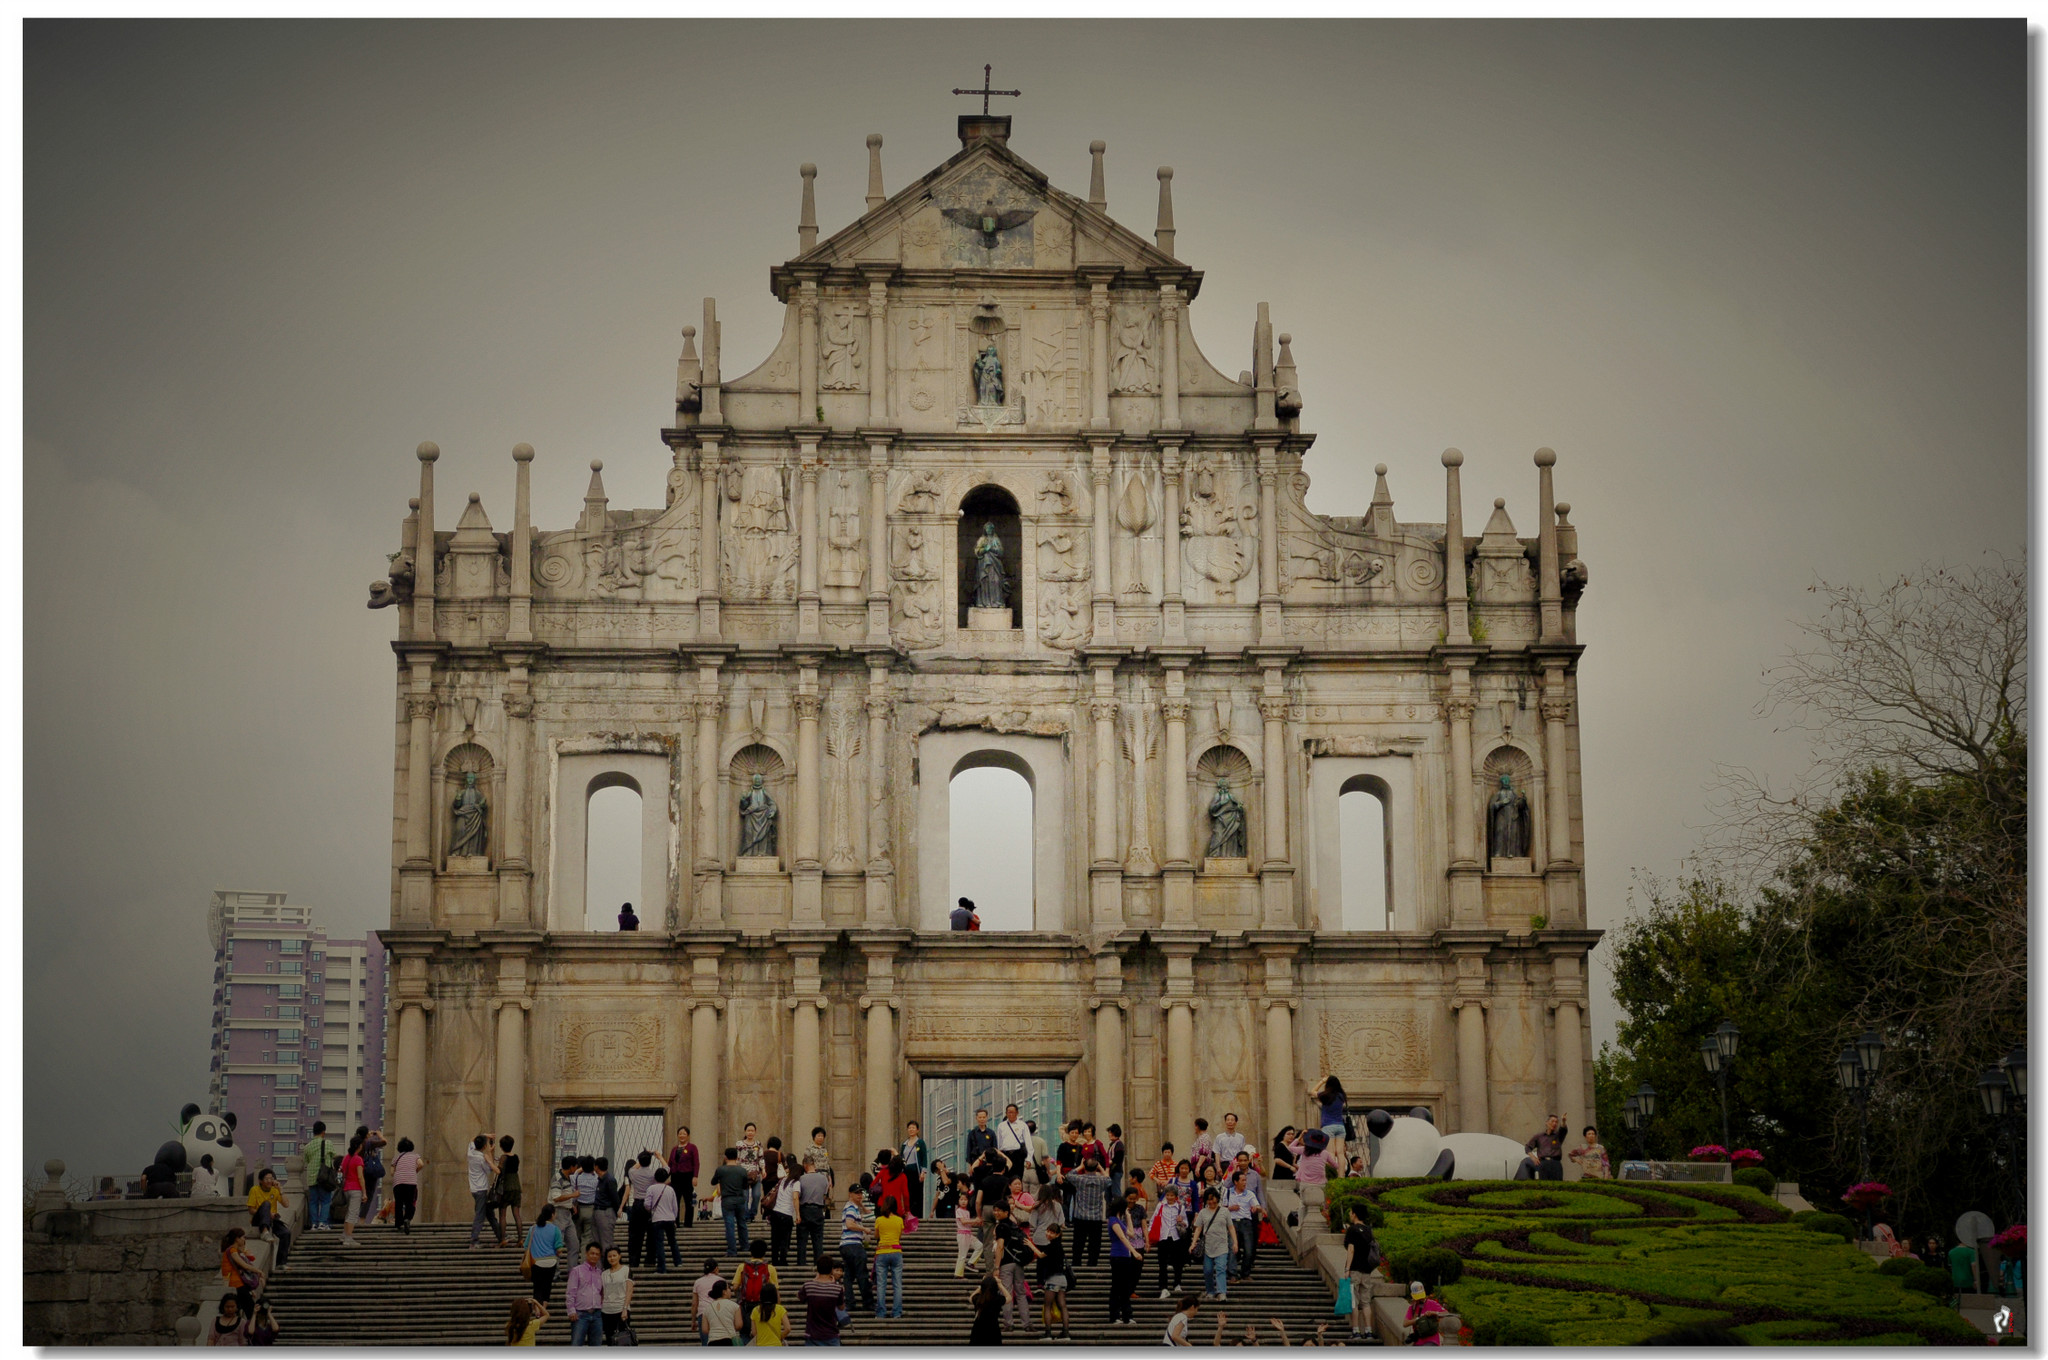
(809,537)
(808,908)
(1561,873)
(1467,863)
(1276,874)
(708,502)
(876,532)
(412,1004)
(1098,354)
(708,910)
(515,874)
(1169,356)
(807,352)
(1179,1004)
(1103,605)
(1179,882)
(881,872)
(416,875)
(1567,1001)
(707,1046)
(879,1005)
(1280,1003)
(878,352)
(512,1001)
(1268,465)
(1173,606)
(1105,873)
(1469,1002)
(806,1002)
(1109,1005)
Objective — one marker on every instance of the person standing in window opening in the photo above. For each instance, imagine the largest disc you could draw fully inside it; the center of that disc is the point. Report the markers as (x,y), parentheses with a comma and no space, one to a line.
(963,917)
(1330,1107)
(627,920)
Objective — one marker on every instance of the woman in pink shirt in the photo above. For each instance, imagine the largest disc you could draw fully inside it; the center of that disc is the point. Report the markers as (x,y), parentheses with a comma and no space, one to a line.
(352,1188)
(1316,1163)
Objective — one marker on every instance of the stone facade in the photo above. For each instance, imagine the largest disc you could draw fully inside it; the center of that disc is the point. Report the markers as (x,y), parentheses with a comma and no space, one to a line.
(980,347)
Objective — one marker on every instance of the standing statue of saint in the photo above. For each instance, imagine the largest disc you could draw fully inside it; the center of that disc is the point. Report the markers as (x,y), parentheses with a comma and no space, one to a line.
(471,819)
(988,377)
(1507,822)
(757,822)
(991,587)
(1226,824)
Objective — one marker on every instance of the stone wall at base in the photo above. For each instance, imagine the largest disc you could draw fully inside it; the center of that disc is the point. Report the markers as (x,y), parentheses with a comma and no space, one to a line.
(121,1274)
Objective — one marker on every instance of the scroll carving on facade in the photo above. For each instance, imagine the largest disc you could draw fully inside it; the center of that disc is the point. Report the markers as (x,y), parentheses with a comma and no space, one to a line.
(839,352)
(1365,1048)
(614,1047)
(760,550)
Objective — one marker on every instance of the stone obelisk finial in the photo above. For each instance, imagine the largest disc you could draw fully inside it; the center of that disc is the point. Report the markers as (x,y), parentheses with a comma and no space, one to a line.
(1163,233)
(807,223)
(875,195)
(1097,198)
(1457,617)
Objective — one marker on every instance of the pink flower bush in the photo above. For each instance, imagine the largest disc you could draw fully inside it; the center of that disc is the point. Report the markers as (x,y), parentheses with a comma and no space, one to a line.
(1746,1157)
(2013,1241)
(1710,1152)
(1864,1194)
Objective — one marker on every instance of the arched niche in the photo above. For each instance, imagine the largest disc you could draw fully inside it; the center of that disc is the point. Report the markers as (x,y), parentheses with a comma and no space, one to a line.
(1220,763)
(1365,853)
(1392,780)
(1043,763)
(990,504)
(462,760)
(579,776)
(758,758)
(1514,762)
(995,865)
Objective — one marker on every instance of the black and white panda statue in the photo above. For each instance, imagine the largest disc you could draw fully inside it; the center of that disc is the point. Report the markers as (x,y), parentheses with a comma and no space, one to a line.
(202,1134)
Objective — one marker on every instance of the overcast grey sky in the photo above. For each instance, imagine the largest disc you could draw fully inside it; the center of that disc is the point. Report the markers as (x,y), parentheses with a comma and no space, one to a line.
(1761,286)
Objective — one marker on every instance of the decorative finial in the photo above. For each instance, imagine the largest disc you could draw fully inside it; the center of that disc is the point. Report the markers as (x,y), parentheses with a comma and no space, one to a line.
(1564,511)
(597,465)
(1162,235)
(807,222)
(1379,469)
(875,195)
(1453,458)
(522,453)
(1545,458)
(429,451)
(413,504)
(1097,198)
(476,498)
(1287,384)
(1500,502)
(689,342)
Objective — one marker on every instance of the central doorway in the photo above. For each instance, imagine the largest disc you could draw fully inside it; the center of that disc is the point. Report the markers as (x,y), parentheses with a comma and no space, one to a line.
(949,1104)
(620,1135)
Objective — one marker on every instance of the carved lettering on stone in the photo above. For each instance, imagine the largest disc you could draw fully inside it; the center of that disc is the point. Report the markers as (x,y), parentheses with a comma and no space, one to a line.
(609,1046)
(1057,1029)
(1365,1048)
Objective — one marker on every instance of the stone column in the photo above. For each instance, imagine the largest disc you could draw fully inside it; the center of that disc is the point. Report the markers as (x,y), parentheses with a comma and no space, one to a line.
(881,874)
(809,904)
(1098,353)
(1104,603)
(1556,784)
(1467,855)
(1106,876)
(879,1058)
(807,610)
(706,1044)
(509,1110)
(1473,1116)
(804,1096)
(1108,1005)
(416,875)
(1269,545)
(876,532)
(1169,356)
(878,354)
(410,1119)
(1281,1088)
(1180,1069)
(424,549)
(1179,905)
(1276,874)
(709,907)
(513,867)
(1571,1064)
(807,352)
(1549,588)
(1174,624)
(1457,613)
(519,627)
(708,502)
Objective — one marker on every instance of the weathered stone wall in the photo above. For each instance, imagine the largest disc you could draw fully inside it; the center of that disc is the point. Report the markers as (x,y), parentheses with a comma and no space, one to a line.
(123,1273)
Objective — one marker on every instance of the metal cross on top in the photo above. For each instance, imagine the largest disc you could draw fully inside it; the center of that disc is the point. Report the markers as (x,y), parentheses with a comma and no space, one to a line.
(985,91)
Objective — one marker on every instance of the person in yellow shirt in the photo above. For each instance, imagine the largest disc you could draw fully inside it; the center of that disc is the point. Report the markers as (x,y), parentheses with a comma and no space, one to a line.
(888,1258)
(771,1319)
(266,1214)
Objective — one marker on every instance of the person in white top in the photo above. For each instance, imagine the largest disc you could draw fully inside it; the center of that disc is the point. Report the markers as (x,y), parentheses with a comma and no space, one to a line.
(1013,1140)
(1177,1327)
(204,1181)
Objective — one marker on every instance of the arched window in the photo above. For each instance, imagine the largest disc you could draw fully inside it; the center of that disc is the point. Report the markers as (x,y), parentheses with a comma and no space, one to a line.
(611,857)
(1364,855)
(983,507)
(990,825)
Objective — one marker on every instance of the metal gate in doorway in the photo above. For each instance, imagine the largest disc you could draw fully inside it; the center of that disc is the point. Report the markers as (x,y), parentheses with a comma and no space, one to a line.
(615,1134)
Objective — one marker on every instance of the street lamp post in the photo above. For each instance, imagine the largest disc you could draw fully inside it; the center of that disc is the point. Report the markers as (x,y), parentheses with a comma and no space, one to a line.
(1717,1050)
(1636,1112)
(2003,1090)
(1856,1073)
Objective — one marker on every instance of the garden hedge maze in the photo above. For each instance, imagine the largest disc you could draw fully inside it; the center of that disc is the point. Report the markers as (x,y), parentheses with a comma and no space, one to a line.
(1588,1263)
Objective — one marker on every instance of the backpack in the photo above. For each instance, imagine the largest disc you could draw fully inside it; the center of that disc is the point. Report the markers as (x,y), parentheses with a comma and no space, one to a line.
(323,1179)
(752,1277)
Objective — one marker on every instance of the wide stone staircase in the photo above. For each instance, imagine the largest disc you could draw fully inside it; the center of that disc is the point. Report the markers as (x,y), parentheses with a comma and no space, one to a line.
(429,1289)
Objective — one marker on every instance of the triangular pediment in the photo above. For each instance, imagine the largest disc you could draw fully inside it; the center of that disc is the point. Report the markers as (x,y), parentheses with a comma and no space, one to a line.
(984,208)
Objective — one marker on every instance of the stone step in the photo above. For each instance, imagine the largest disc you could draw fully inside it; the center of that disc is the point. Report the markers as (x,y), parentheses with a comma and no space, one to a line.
(429,1288)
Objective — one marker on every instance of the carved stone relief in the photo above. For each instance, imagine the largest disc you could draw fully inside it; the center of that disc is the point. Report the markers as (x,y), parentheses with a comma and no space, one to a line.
(845,729)
(760,549)
(1132,370)
(845,560)
(1217,533)
(1064,569)
(914,586)
(608,1047)
(840,351)
(1366,1048)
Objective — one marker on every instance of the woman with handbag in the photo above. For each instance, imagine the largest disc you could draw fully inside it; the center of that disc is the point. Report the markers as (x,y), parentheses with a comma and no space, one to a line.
(618,1295)
(505,1188)
(543,1253)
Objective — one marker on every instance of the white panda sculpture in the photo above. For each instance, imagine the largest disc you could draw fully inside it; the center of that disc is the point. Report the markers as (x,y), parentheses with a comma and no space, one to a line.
(213,1135)
(1410,1145)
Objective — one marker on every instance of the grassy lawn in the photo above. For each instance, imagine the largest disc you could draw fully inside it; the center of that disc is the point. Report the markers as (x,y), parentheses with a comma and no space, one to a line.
(1602,1263)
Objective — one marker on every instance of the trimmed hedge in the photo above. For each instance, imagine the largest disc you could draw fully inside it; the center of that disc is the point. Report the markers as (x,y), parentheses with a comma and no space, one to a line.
(1757,1179)
(1930,1281)
(1615,1263)
(1899,1265)
(1820,1220)
(1511,1331)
